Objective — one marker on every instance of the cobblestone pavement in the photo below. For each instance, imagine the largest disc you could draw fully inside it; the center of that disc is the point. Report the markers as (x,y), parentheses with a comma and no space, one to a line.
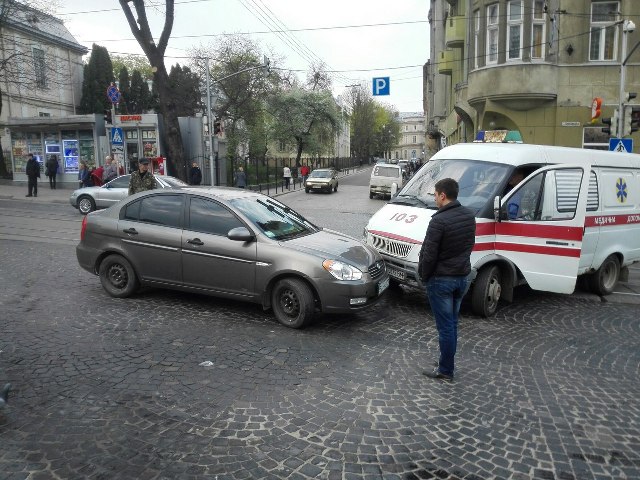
(107,388)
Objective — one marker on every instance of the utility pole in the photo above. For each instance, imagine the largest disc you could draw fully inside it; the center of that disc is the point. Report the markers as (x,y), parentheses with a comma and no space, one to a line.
(213,167)
(627,27)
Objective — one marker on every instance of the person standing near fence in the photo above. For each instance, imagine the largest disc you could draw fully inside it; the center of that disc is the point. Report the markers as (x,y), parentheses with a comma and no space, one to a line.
(195,174)
(304,173)
(241,178)
(286,174)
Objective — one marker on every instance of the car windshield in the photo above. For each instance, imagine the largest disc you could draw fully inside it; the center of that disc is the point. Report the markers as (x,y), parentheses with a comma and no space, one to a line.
(320,174)
(174,182)
(386,171)
(478,181)
(274,219)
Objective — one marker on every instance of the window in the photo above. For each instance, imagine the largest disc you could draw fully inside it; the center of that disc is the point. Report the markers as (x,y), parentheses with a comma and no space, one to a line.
(593,195)
(120,182)
(44,114)
(538,30)
(210,217)
(476,39)
(39,68)
(514,28)
(162,210)
(492,33)
(604,31)
(593,138)
(282,146)
(132,211)
(414,139)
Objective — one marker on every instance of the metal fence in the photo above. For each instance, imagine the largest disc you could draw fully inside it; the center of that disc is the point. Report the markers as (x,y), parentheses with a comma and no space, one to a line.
(267,176)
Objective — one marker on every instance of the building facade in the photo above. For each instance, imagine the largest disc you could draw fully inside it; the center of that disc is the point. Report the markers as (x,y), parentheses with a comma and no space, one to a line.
(535,66)
(412,137)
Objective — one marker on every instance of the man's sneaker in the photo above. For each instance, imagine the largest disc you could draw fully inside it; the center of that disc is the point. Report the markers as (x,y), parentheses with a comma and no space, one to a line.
(435,373)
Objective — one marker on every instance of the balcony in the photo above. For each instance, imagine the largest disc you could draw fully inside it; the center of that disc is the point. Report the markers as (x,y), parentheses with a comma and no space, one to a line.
(445,62)
(455,32)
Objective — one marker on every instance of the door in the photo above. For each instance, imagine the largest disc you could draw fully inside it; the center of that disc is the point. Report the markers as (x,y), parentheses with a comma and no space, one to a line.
(113,192)
(212,261)
(542,226)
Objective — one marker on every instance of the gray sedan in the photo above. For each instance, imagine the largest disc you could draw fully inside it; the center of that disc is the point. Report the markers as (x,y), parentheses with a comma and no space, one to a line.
(88,199)
(230,243)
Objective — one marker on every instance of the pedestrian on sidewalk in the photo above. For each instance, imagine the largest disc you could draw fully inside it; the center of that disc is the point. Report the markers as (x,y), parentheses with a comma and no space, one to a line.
(84,177)
(304,173)
(444,265)
(195,174)
(52,170)
(286,174)
(32,169)
(241,178)
(110,169)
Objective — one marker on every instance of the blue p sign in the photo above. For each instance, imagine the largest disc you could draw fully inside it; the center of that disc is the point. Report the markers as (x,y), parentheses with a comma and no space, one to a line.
(381,86)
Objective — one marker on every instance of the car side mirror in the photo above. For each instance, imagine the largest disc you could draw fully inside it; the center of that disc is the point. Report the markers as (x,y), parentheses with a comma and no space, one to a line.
(394,189)
(496,208)
(240,234)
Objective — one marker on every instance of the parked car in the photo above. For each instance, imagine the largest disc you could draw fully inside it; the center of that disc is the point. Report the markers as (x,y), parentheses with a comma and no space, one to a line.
(230,243)
(88,199)
(323,180)
(382,179)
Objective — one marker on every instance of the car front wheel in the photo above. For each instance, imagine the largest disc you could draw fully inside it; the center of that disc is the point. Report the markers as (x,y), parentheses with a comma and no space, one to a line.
(292,302)
(86,204)
(117,276)
(486,292)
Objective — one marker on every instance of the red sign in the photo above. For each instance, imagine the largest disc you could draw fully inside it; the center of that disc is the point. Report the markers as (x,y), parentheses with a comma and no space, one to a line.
(130,118)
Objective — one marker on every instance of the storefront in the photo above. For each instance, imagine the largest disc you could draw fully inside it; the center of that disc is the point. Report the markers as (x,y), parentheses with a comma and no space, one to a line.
(141,137)
(74,139)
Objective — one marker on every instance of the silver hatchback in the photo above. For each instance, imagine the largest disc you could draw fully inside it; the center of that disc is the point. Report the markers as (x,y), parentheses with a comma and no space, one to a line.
(88,199)
(230,243)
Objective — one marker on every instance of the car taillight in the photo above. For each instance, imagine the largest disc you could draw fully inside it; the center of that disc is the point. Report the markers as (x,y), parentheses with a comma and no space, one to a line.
(84,228)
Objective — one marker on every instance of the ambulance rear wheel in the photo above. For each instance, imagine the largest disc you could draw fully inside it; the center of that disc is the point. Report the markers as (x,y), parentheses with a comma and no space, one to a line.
(604,280)
(486,291)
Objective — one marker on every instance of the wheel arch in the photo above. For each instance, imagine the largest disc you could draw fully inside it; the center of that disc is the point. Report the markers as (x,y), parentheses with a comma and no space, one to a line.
(266,294)
(111,251)
(508,271)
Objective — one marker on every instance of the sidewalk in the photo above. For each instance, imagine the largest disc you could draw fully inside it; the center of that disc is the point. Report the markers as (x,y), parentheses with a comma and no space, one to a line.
(17,191)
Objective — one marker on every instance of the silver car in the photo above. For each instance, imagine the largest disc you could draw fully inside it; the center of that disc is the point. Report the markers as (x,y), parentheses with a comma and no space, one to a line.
(322,180)
(230,243)
(88,199)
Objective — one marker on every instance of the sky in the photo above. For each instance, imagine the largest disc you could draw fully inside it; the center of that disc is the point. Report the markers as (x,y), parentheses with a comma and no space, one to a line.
(375,38)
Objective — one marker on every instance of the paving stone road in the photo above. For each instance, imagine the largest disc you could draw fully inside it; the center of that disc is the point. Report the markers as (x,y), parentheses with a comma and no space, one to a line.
(166,385)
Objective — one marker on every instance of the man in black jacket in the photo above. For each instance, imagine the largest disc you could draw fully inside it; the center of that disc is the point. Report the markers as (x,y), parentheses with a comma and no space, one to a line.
(32,169)
(444,266)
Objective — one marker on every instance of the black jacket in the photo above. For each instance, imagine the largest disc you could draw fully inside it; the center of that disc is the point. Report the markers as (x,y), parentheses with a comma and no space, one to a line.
(447,245)
(195,175)
(32,168)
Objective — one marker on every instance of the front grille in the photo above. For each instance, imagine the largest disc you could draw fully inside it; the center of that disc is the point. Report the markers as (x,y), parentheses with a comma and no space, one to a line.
(394,248)
(376,269)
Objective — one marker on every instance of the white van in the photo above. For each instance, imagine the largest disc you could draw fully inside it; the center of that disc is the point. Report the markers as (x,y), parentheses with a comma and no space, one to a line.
(577,212)
(383,177)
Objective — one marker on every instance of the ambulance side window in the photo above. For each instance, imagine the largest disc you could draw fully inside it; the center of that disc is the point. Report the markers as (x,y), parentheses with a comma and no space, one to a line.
(522,205)
(593,195)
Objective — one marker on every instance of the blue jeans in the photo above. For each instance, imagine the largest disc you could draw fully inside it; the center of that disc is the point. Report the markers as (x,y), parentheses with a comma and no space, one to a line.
(445,296)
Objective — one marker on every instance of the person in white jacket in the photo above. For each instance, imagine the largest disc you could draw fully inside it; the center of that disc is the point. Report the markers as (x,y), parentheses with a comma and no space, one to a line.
(286,174)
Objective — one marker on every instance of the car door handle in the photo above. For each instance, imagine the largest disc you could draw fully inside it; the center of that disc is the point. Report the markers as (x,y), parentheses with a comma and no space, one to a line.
(132,231)
(195,241)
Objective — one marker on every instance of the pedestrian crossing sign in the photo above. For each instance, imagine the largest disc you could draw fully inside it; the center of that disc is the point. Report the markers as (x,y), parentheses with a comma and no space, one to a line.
(622,145)
(116,136)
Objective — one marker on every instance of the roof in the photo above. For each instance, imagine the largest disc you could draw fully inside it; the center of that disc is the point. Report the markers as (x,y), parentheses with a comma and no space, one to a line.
(39,25)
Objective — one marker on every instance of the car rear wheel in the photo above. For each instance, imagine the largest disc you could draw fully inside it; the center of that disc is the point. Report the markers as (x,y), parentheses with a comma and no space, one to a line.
(604,280)
(86,204)
(335,189)
(292,302)
(370,194)
(486,291)
(118,277)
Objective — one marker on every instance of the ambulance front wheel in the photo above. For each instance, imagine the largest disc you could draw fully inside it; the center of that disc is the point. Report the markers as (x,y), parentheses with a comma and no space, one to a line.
(604,280)
(486,292)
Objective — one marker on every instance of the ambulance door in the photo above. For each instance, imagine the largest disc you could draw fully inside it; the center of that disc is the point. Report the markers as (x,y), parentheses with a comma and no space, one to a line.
(541,226)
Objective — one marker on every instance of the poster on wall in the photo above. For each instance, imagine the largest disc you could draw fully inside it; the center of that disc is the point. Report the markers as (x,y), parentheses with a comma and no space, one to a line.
(70,152)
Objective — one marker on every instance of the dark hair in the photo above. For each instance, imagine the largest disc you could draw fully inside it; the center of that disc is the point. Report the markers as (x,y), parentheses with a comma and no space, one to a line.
(449,187)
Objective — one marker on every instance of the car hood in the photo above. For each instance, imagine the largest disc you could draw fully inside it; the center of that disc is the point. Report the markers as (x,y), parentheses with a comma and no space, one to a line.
(408,224)
(329,244)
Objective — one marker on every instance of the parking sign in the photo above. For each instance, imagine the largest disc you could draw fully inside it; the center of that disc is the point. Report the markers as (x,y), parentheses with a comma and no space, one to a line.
(381,86)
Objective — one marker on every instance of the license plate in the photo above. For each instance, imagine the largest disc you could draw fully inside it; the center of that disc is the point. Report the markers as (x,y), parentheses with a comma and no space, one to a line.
(317,186)
(382,286)
(398,274)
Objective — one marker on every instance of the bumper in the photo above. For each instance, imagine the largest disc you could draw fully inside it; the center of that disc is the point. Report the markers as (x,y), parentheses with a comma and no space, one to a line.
(402,271)
(380,190)
(87,258)
(338,296)
(318,186)
(73,201)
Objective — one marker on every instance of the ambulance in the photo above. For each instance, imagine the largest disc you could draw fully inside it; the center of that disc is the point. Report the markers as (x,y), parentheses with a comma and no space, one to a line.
(576,212)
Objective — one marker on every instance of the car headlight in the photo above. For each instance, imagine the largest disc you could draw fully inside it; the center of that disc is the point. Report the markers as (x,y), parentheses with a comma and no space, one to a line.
(341,270)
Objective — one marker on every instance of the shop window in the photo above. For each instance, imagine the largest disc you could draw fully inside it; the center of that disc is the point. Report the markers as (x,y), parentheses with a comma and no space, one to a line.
(538,30)
(492,34)
(40,67)
(604,31)
(514,29)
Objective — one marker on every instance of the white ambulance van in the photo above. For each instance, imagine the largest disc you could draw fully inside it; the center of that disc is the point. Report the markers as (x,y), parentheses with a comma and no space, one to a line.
(576,212)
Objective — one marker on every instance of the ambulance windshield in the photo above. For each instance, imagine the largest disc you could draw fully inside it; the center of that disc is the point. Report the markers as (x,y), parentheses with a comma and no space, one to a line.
(478,180)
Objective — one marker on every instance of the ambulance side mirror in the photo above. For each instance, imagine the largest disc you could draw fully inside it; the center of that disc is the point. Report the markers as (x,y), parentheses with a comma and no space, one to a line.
(496,208)
(394,189)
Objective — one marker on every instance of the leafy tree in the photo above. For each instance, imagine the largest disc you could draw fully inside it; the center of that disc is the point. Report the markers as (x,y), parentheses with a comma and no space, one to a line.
(124,85)
(139,96)
(131,63)
(155,51)
(186,90)
(98,75)
(363,118)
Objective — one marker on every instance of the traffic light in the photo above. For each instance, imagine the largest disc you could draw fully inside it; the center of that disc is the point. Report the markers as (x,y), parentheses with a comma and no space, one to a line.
(612,122)
(631,119)
(107,116)
(217,126)
(629,96)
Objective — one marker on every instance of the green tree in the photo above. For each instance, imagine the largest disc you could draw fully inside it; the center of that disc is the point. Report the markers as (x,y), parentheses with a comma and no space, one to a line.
(124,84)
(139,96)
(98,75)
(131,63)
(155,52)
(363,120)
(186,90)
